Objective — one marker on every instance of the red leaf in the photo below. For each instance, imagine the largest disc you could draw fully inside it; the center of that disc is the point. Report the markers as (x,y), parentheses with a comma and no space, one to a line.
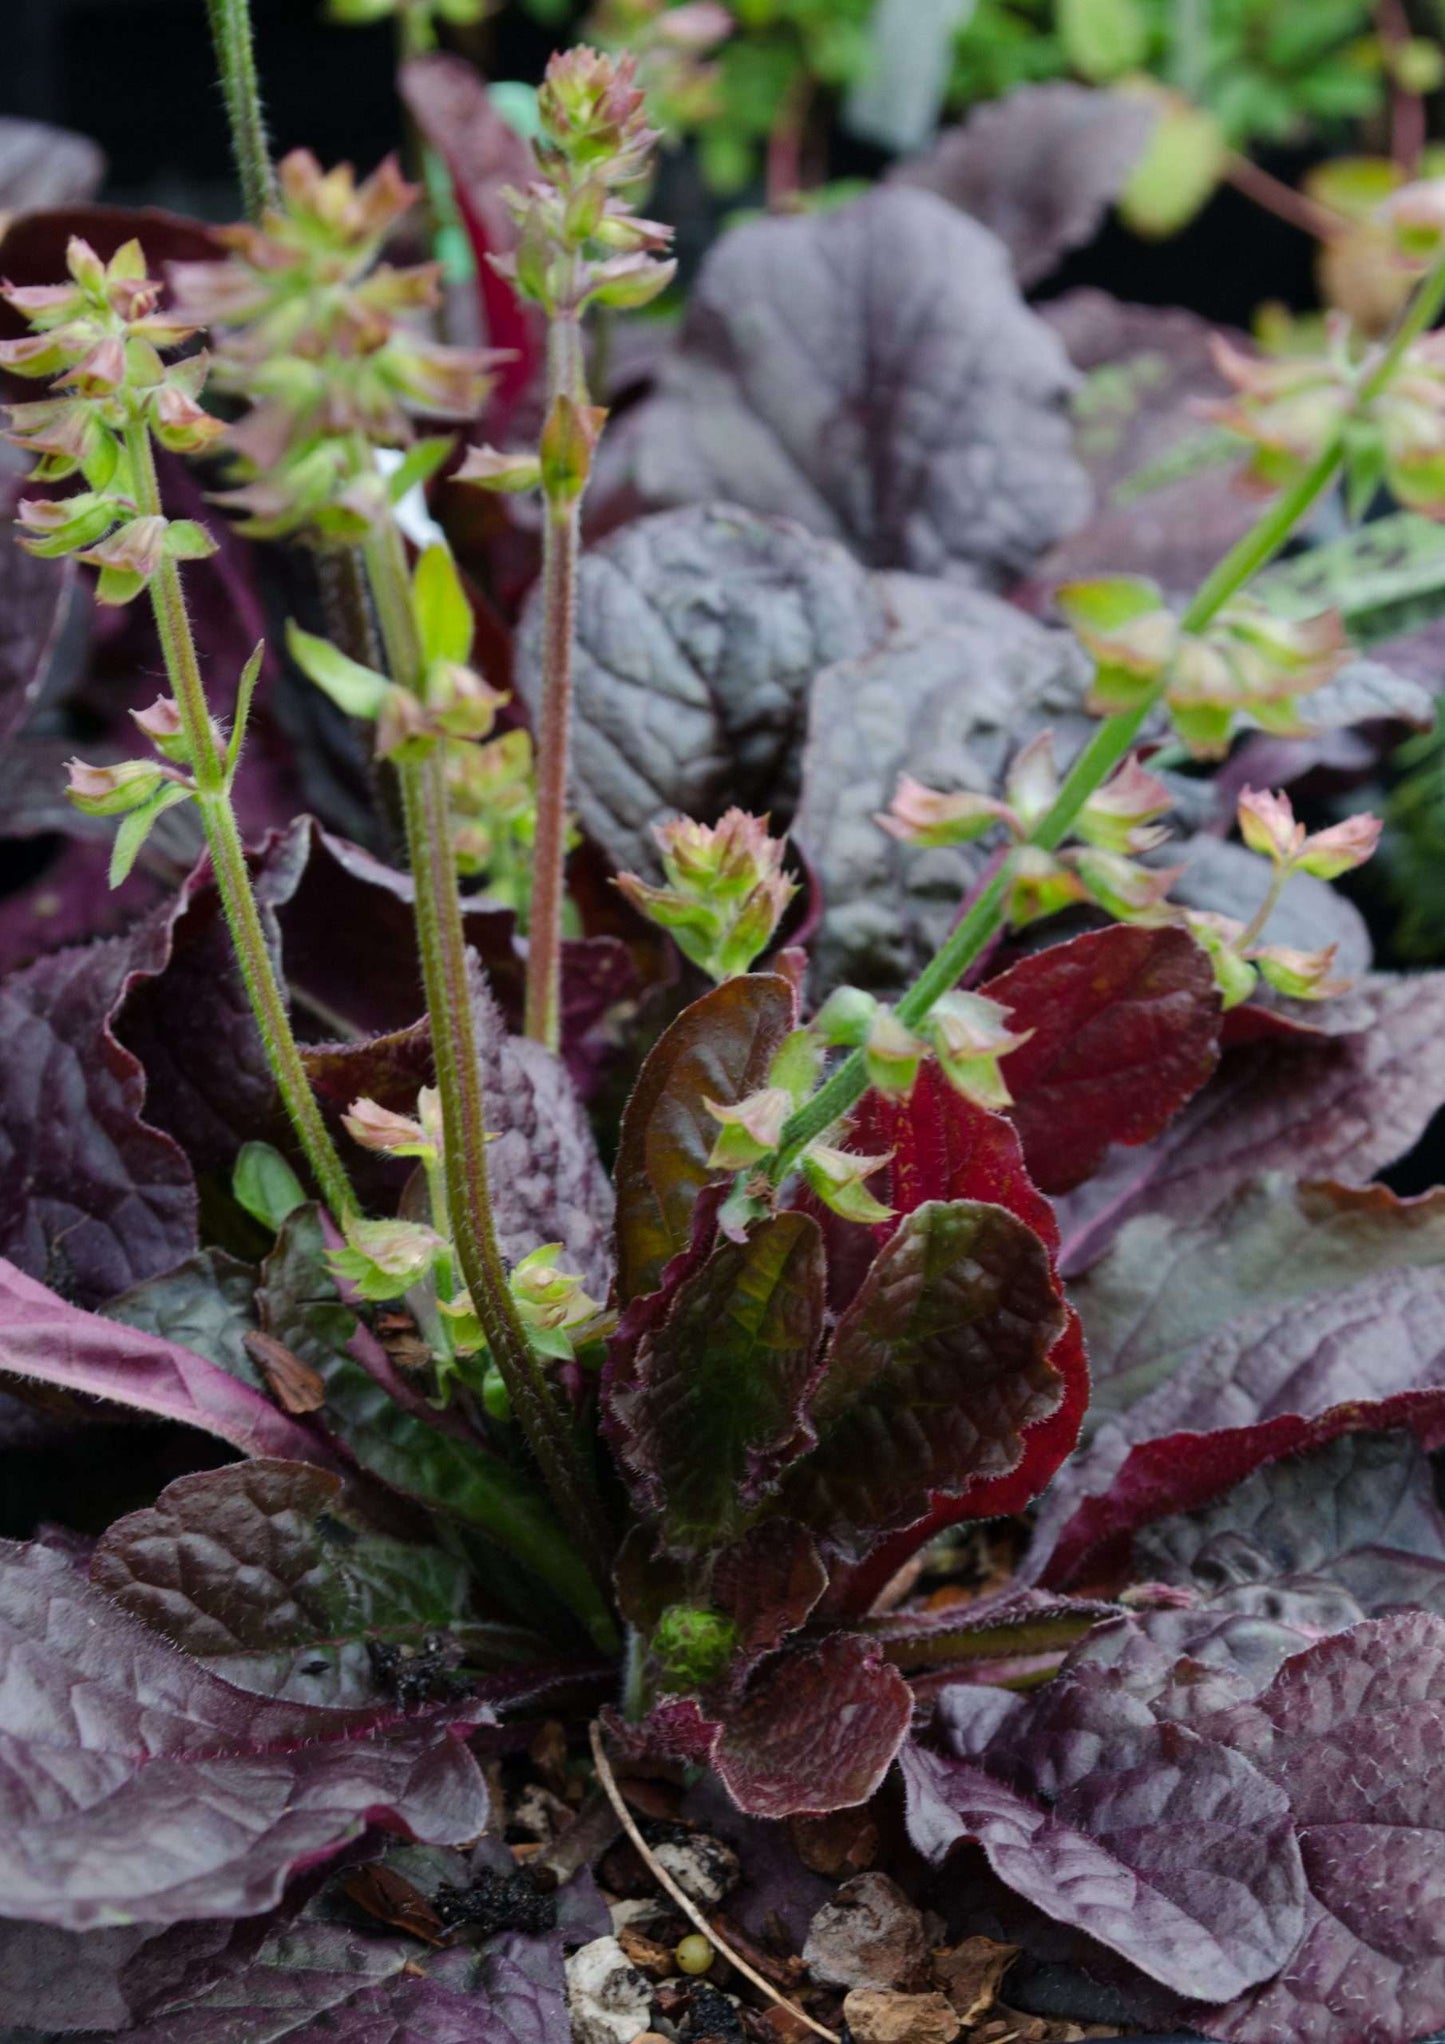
(816,1731)
(1125,1028)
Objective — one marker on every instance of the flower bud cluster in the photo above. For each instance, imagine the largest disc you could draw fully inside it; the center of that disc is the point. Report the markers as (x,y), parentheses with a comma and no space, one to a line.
(99,340)
(673,46)
(331,346)
(1249,666)
(1118,823)
(726,890)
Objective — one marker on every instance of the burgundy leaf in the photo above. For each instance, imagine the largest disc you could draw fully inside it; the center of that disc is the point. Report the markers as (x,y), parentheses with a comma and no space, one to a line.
(1339,1107)
(50,1342)
(719,1049)
(707,1408)
(1124,1029)
(1167,1848)
(1352,1731)
(872,372)
(935,1373)
(817,1730)
(1039,167)
(260,1573)
(169,1794)
(93,1197)
(768,1582)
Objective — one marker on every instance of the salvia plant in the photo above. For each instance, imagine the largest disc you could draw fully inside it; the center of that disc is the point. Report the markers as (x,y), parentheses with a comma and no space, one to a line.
(673,1465)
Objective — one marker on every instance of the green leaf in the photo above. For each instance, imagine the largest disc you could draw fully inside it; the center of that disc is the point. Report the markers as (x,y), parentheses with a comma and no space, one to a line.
(266,1186)
(711,1406)
(936,1370)
(1178,172)
(137,826)
(719,1049)
(188,541)
(246,688)
(1103,38)
(1386,578)
(443,615)
(359,691)
(418,465)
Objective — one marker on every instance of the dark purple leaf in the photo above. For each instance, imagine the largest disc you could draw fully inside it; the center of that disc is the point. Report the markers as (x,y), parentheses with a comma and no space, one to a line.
(1167,1848)
(1147,367)
(817,1729)
(719,1049)
(169,1794)
(707,1410)
(934,1375)
(1124,1028)
(35,600)
(1351,1731)
(1164,1287)
(260,1573)
(1039,168)
(93,1196)
(207,1304)
(949,698)
(51,1342)
(1337,1107)
(699,633)
(872,373)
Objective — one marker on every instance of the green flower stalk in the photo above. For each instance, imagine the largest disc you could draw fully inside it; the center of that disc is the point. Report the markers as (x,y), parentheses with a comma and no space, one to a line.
(580,245)
(99,340)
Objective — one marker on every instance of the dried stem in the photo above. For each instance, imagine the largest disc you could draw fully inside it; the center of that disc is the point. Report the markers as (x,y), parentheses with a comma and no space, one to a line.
(236,61)
(684,1902)
(561,545)
(228,855)
(442,943)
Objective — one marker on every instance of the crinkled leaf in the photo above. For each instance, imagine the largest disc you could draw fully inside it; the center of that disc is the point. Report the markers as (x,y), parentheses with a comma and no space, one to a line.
(699,633)
(1167,1848)
(1321,1540)
(1124,1029)
(964,681)
(258,1573)
(45,1339)
(816,1730)
(91,1196)
(1351,1731)
(768,1582)
(872,372)
(144,1789)
(1040,168)
(207,1304)
(719,1049)
(1342,1107)
(935,1373)
(708,1411)
(1165,1286)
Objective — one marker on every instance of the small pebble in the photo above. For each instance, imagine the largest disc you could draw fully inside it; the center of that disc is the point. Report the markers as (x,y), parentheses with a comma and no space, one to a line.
(694,1954)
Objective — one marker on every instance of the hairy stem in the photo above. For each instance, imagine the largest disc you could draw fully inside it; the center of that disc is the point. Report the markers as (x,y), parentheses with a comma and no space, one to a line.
(561,544)
(1110,743)
(236,61)
(442,943)
(228,856)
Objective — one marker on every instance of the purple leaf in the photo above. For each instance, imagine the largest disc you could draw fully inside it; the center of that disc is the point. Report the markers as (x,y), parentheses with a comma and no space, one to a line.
(1123,1029)
(92,1195)
(706,1411)
(140,1788)
(45,166)
(43,1338)
(949,697)
(768,1582)
(719,1049)
(817,1729)
(1167,1848)
(935,1373)
(1337,1107)
(1351,1731)
(259,1573)
(871,372)
(1039,168)
(699,633)
(35,600)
